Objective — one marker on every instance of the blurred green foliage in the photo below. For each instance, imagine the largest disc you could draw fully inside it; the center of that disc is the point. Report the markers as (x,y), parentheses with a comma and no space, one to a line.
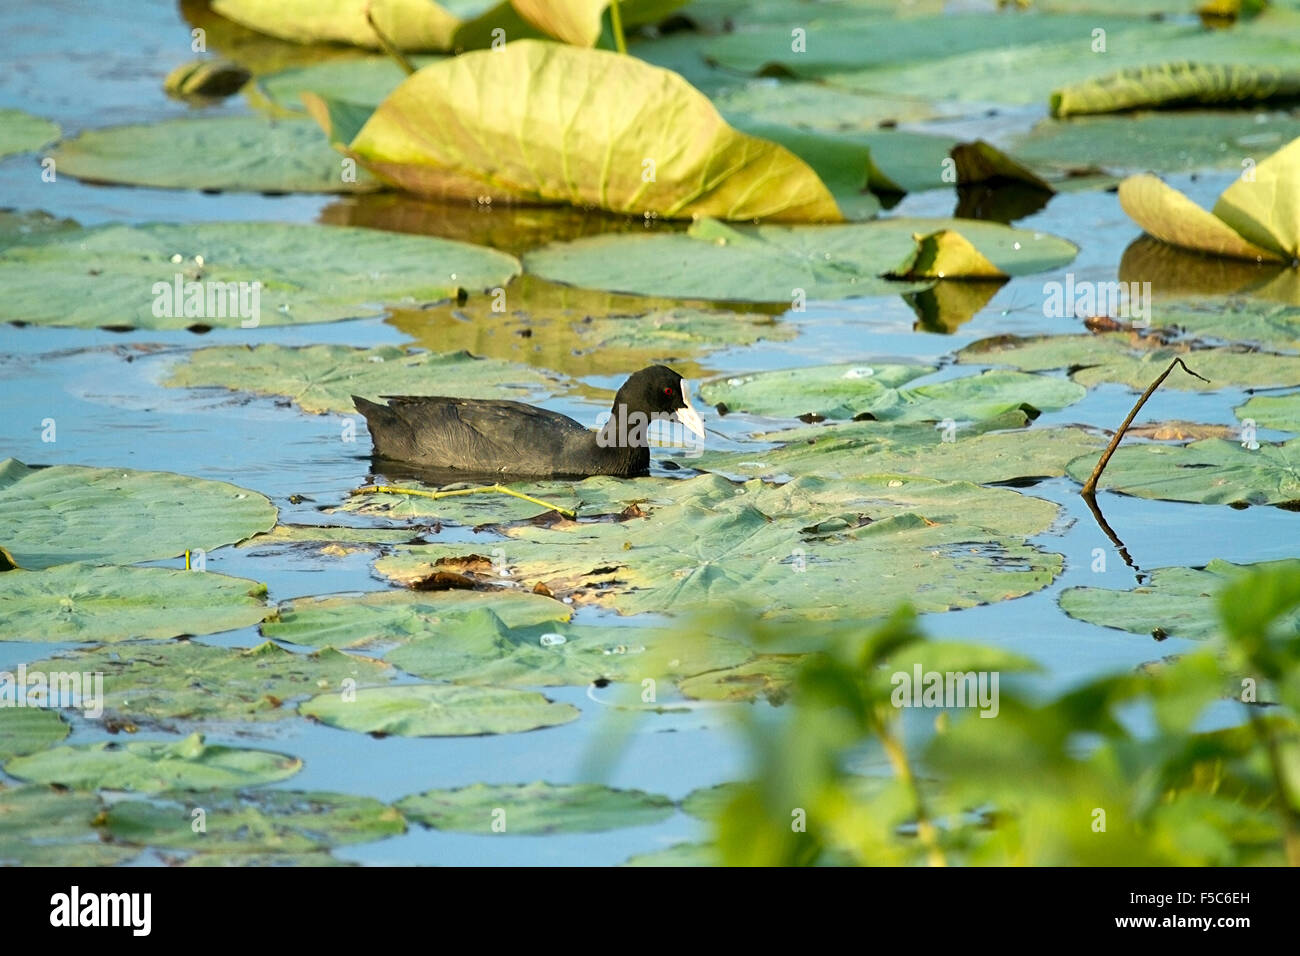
(1192,761)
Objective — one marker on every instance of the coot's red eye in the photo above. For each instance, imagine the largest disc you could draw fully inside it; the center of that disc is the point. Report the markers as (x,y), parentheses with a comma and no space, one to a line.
(668,391)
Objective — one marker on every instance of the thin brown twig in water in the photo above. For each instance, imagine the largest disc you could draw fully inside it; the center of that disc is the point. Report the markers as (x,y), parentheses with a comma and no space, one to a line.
(1090,487)
(388,45)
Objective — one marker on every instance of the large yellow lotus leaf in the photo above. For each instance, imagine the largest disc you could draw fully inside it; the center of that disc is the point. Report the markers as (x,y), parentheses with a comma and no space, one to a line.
(540,122)
(1171,217)
(1265,208)
(415,25)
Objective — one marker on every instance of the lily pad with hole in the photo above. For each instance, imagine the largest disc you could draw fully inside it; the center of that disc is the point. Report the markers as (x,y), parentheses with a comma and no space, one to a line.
(181,680)
(121,276)
(848,391)
(777,263)
(88,603)
(540,122)
(438,710)
(26,728)
(271,822)
(23,133)
(1212,471)
(799,551)
(988,450)
(1176,602)
(323,378)
(220,153)
(46,826)
(401,616)
(1123,359)
(535,809)
(66,513)
(481,649)
(150,766)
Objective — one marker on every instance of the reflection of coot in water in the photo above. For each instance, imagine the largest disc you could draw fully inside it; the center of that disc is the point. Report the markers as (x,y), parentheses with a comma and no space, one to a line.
(466,437)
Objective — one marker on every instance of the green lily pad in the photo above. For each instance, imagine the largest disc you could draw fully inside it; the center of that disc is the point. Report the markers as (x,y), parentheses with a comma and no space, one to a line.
(150,766)
(775,263)
(400,616)
(44,826)
(1272,411)
(550,139)
(365,81)
(1247,320)
(845,41)
(1176,84)
(679,854)
(815,106)
(708,803)
(220,153)
(121,276)
(271,822)
(1116,357)
(26,729)
(482,650)
(305,858)
(1178,602)
(767,676)
(23,133)
(1164,142)
(438,710)
(846,391)
(29,226)
(1211,471)
(535,809)
(1024,59)
(51,516)
(986,451)
(829,391)
(82,602)
(794,550)
(181,680)
(323,378)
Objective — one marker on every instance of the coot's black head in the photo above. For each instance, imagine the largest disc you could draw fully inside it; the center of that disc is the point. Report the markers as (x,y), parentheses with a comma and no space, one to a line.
(657,393)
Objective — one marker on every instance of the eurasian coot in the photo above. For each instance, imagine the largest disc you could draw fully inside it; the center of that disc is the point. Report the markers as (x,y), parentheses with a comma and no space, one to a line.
(488,437)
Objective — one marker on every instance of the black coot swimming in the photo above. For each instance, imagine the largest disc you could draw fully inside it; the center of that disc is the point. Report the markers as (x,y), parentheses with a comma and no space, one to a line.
(487,437)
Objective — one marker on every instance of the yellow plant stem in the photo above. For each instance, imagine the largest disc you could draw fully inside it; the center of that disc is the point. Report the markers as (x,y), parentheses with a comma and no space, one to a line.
(458,492)
(616,22)
(925,829)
